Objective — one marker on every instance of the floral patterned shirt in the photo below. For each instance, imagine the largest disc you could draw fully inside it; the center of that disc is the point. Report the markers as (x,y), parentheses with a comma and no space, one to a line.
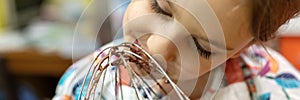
(257,75)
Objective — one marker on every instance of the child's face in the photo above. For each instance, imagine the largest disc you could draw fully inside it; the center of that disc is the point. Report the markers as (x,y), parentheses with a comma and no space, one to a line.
(216,44)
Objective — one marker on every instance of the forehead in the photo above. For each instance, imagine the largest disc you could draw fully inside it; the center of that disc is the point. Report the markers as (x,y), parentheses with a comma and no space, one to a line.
(224,21)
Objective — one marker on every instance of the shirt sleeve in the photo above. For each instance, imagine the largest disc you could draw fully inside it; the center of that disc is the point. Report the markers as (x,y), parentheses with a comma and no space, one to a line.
(236,91)
(72,78)
(70,83)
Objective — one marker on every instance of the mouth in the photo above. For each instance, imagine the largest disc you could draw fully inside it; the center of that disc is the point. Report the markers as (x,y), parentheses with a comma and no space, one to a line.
(138,64)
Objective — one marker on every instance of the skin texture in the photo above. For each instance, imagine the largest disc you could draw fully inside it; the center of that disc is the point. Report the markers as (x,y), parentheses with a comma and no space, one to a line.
(234,17)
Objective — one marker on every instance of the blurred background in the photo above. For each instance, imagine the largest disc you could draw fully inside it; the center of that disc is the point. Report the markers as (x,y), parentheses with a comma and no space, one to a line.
(40,39)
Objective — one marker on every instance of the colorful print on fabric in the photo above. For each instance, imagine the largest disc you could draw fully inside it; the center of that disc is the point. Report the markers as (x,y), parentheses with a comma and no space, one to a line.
(265,96)
(66,75)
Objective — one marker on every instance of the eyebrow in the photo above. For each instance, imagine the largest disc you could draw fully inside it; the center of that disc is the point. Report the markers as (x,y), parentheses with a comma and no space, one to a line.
(213,43)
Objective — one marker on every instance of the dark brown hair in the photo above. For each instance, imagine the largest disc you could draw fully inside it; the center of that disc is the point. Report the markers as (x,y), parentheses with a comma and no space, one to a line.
(269,15)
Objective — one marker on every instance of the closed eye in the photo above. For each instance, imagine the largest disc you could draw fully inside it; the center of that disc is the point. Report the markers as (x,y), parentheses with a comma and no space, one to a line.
(204,53)
(157,9)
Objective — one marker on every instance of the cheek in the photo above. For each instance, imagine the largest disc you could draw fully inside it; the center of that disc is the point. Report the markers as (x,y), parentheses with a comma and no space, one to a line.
(240,46)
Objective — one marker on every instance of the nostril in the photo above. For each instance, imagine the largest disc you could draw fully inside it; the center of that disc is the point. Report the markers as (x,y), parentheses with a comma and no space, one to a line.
(163,63)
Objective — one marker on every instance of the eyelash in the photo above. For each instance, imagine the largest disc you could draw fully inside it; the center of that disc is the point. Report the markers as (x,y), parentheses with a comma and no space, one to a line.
(157,9)
(204,53)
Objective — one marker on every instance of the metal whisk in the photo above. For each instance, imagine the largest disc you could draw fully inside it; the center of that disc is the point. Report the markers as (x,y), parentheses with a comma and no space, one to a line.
(140,67)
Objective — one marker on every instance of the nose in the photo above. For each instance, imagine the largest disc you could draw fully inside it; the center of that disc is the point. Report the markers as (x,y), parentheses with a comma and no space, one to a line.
(162,46)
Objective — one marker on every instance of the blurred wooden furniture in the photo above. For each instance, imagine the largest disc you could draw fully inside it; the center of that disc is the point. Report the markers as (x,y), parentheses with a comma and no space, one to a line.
(36,64)
(38,71)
